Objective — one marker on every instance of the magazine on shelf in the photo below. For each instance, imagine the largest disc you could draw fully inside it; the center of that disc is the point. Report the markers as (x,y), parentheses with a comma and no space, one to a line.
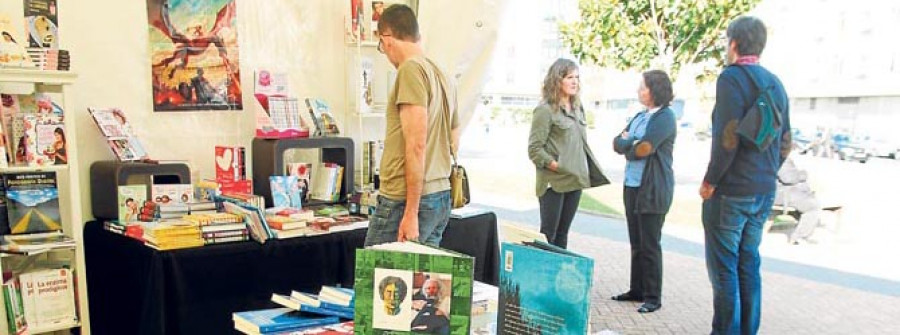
(48,296)
(119,134)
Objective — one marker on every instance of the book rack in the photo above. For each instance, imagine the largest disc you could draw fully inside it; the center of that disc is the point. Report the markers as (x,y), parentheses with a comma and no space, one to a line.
(107,176)
(268,160)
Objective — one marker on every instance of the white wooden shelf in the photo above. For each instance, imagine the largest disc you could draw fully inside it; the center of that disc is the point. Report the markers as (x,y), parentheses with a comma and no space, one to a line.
(53,328)
(15,169)
(27,75)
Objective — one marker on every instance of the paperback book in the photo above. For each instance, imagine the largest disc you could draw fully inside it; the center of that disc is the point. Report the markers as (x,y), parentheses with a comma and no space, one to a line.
(32,202)
(274,320)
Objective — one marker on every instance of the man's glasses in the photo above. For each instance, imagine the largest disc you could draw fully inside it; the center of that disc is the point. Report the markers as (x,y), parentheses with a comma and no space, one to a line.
(380,44)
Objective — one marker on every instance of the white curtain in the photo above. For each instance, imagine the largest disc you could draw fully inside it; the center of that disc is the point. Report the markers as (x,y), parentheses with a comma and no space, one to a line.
(461,36)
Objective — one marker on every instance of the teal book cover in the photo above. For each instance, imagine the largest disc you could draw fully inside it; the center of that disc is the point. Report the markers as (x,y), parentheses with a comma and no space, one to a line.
(543,290)
(412,289)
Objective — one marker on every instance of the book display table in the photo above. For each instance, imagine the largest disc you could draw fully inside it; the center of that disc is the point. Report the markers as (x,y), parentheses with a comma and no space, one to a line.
(134,289)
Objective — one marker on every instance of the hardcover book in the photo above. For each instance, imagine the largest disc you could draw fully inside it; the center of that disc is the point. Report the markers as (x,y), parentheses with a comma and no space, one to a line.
(51,148)
(230,163)
(543,289)
(32,202)
(302,171)
(275,320)
(130,200)
(412,288)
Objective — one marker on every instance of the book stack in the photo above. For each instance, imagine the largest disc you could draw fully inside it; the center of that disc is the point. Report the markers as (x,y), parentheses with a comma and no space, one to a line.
(174,234)
(49,59)
(220,227)
(256,222)
(278,321)
(36,243)
(287,223)
(331,301)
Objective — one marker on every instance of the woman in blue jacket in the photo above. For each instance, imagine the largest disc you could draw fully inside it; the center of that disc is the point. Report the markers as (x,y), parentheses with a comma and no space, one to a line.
(647,144)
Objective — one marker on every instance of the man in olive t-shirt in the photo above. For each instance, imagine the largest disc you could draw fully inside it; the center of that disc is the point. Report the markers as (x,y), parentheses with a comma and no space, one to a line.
(414,199)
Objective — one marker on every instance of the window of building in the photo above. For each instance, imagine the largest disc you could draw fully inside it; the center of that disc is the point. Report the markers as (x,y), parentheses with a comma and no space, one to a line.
(848,100)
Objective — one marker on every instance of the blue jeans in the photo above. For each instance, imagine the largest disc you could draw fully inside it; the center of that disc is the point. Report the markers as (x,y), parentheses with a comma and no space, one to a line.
(733,228)
(434,213)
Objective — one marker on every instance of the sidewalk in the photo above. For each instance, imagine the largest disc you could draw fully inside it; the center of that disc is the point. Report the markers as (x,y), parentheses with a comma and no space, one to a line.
(797,298)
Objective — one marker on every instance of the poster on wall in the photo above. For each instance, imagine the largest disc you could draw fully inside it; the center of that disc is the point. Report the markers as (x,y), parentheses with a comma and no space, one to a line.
(194,55)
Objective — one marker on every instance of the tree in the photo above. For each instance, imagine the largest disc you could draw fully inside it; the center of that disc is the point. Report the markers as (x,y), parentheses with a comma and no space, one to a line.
(661,34)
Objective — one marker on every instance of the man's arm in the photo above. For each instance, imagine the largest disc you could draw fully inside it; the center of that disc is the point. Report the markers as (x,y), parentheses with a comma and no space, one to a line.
(725,118)
(413,122)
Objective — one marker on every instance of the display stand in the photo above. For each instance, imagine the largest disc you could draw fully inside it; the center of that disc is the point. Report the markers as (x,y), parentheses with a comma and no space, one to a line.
(107,176)
(268,160)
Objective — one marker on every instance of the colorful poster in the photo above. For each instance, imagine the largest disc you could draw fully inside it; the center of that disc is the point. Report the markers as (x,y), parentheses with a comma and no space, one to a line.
(194,55)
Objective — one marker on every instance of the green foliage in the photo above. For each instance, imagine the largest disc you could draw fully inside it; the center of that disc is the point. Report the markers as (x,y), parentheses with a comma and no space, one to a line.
(645,34)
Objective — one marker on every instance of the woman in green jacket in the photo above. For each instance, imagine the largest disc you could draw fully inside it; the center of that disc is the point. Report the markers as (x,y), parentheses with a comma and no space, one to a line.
(557,145)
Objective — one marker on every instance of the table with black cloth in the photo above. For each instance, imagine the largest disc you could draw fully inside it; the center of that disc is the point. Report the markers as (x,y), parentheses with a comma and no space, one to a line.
(133,289)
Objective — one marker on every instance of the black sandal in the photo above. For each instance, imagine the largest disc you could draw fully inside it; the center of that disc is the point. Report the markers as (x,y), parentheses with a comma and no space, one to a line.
(627,296)
(649,307)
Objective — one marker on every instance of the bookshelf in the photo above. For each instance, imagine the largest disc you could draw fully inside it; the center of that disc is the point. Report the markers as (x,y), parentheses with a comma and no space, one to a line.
(268,160)
(56,84)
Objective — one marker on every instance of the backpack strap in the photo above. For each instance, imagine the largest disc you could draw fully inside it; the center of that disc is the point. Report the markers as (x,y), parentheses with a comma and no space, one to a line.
(760,90)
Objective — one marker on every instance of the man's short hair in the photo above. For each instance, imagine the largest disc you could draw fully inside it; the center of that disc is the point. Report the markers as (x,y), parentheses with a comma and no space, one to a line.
(750,35)
(400,21)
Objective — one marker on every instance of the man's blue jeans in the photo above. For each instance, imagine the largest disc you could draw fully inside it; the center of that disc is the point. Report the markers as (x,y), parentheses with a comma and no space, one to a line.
(733,227)
(434,213)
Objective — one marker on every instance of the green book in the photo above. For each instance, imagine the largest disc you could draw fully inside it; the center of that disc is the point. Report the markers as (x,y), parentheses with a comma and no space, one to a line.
(412,288)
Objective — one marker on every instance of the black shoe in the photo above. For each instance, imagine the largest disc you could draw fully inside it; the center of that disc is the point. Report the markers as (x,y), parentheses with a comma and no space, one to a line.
(649,307)
(628,296)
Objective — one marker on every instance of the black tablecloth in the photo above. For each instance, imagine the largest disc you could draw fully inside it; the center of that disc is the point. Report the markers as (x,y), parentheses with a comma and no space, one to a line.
(133,289)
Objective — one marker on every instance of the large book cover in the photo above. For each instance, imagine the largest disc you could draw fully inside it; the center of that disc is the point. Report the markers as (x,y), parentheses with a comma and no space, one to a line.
(32,202)
(411,288)
(41,23)
(130,198)
(277,319)
(48,297)
(543,290)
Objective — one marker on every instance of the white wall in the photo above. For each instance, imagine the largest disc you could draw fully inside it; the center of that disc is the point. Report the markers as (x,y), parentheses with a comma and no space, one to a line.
(108,43)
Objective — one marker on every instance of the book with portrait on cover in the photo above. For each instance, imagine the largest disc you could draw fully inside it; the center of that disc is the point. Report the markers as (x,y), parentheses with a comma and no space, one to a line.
(412,288)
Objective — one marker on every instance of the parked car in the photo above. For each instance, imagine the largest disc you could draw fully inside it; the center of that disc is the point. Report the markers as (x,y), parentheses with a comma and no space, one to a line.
(885,149)
(848,148)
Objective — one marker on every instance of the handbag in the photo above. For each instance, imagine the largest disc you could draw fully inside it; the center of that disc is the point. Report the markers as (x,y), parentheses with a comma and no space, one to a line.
(459,185)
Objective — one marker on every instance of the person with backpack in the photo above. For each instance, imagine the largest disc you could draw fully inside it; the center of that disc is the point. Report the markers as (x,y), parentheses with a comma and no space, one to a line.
(751,138)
